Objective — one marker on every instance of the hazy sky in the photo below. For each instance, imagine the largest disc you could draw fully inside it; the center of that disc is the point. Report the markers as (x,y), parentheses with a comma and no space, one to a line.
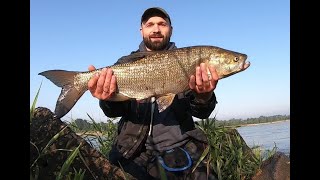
(72,34)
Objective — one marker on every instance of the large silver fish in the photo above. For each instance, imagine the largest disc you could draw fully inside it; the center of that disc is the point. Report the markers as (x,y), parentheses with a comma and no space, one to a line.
(159,74)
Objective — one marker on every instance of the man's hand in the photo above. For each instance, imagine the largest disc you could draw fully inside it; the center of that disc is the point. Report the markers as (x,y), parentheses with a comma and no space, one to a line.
(102,85)
(204,82)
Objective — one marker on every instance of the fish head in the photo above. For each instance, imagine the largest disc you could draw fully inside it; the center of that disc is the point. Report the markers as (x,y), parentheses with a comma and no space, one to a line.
(228,62)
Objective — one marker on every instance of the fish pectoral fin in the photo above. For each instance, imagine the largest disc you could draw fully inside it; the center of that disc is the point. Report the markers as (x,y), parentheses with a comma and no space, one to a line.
(119,97)
(165,101)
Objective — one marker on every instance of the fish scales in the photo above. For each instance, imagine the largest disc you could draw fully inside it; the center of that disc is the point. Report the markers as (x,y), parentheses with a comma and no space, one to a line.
(153,76)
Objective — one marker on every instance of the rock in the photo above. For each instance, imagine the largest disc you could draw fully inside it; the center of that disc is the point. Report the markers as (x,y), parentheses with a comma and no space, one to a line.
(43,127)
(277,167)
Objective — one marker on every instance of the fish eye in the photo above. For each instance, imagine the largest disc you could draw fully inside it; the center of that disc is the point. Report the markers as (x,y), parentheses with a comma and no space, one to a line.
(236,59)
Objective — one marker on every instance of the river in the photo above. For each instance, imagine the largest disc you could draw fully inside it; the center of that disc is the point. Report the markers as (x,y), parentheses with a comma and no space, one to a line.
(268,135)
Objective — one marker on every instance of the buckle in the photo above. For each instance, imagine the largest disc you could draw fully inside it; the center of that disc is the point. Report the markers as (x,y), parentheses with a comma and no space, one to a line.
(176,159)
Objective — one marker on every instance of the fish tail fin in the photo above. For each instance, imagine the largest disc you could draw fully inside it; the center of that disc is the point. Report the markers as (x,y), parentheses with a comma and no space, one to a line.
(69,93)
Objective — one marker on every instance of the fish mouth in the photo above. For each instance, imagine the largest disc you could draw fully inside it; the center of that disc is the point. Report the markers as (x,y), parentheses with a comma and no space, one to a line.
(245,65)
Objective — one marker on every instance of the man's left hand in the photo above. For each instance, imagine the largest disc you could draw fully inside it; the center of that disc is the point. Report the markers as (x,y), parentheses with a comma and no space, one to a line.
(204,82)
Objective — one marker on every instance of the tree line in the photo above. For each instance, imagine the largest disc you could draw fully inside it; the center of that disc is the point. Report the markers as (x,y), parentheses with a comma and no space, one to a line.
(241,122)
(82,125)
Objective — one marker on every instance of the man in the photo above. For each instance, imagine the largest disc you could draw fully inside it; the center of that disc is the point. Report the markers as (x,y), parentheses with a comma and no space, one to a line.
(147,140)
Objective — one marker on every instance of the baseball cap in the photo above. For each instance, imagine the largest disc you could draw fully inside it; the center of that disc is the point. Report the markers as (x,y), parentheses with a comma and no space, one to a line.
(150,12)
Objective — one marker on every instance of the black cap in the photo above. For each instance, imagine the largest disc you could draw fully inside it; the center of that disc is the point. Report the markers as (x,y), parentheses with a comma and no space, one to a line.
(153,12)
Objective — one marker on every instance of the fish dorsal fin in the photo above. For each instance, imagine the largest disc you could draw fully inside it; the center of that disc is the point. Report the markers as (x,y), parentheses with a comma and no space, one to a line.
(165,101)
(134,57)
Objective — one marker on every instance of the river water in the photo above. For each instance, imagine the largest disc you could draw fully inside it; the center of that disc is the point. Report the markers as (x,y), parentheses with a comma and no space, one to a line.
(267,136)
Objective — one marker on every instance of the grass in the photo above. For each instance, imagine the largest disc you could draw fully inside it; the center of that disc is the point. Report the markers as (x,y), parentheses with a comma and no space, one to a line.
(103,135)
(228,154)
(68,162)
(34,104)
(106,136)
(34,168)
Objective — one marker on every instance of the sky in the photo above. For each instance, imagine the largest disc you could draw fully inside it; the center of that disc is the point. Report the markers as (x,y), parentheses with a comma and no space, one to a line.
(73,34)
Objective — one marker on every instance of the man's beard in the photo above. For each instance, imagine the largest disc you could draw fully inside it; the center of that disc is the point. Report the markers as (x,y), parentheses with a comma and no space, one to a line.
(156,46)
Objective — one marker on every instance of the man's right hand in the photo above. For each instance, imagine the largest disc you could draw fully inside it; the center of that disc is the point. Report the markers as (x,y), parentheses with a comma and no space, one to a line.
(102,85)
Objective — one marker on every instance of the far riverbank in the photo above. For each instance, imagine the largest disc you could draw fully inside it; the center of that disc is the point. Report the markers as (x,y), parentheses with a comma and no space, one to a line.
(255,124)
